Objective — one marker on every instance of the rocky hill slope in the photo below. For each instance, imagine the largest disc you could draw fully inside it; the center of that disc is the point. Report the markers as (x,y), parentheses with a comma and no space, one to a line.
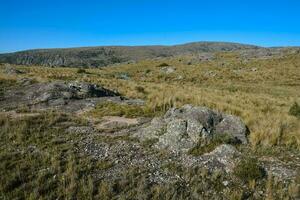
(107,55)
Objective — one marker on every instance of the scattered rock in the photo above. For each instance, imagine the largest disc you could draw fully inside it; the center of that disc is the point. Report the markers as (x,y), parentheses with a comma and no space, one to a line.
(168,70)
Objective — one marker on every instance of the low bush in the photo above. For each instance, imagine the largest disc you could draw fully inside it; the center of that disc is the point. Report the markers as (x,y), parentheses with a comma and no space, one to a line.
(140,89)
(81,71)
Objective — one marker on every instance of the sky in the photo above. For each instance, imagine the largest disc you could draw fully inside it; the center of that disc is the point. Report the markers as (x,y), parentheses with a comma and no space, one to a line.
(30,24)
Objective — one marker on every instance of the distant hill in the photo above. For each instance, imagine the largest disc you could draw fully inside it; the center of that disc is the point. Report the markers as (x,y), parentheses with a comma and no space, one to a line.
(107,55)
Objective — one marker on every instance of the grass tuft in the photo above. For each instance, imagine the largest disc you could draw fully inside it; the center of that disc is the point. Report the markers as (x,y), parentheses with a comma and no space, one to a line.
(207,146)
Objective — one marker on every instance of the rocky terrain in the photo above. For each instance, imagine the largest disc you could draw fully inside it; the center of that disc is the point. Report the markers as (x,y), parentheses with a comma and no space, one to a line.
(186,146)
(213,125)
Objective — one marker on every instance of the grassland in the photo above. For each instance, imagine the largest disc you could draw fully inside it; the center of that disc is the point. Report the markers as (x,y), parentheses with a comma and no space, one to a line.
(260,91)
(39,158)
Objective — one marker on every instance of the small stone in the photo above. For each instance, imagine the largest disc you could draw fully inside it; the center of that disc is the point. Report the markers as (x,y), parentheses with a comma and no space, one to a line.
(225,183)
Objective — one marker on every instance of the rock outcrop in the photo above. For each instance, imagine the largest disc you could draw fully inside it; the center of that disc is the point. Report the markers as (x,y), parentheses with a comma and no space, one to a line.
(47,92)
(180,129)
(68,97)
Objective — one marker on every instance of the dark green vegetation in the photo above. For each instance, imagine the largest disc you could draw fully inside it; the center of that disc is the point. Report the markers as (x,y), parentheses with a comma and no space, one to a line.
(249,169)
(295,110)
(81,71)
(102,56)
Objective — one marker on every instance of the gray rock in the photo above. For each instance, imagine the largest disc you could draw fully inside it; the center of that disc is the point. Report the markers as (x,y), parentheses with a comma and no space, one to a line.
(225,154)
(182,128)
(156,128)
(176,136)
(168,70)
(234,127)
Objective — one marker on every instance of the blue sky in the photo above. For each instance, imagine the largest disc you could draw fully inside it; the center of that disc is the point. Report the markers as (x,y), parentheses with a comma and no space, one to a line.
(28,24)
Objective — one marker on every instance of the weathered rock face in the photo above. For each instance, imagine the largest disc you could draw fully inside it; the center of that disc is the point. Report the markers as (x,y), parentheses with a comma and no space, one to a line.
(182,128)
(227,155)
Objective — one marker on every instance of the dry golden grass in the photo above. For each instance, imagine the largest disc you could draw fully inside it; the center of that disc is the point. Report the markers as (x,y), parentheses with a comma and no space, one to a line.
(260,91)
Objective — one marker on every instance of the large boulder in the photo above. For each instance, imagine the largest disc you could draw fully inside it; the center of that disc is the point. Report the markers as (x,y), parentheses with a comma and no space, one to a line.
(180,129)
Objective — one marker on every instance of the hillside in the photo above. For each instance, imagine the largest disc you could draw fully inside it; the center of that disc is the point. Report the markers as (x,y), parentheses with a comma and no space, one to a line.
(107,55)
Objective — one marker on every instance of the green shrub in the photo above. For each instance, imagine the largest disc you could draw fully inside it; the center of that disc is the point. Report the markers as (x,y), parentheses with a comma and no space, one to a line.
(249,169)
(147,71)
(295,110)
(81,71)
(140,89)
